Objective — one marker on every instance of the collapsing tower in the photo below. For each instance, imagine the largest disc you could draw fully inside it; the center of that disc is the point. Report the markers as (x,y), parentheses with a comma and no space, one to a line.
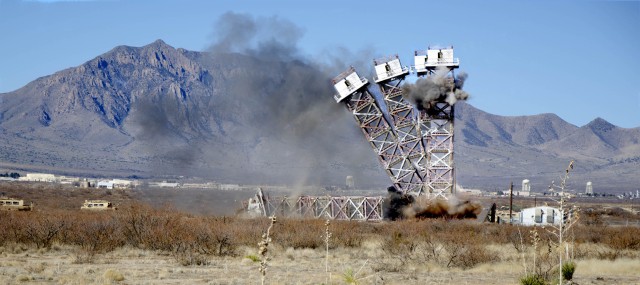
(352,90)
(413,140)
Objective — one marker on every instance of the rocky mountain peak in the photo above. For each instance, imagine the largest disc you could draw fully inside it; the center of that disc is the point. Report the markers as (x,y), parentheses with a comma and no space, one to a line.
(600,125)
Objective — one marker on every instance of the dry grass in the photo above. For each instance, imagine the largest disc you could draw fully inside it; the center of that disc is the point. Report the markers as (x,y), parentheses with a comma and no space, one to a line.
(288,266)
(140,244)
(150,267)
(598,267)
(111,275)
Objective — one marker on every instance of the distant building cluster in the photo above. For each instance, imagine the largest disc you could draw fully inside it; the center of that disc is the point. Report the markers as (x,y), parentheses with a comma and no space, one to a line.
(630,195)
(78,181)
(114,183)
(128,184)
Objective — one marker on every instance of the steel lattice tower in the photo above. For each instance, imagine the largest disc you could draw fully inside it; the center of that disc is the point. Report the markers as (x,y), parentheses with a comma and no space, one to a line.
(389,76)
(437,121)
(416,144)
(353,92)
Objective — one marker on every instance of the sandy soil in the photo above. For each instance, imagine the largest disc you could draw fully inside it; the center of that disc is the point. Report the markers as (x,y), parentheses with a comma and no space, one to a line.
(131,266)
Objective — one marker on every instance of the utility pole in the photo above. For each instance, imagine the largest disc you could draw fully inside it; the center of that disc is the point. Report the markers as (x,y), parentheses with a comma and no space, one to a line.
(510,202)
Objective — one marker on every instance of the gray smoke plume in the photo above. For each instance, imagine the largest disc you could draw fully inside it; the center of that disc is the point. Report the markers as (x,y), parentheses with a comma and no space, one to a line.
(286,96)
(399,206)
(159,119)
(438,87)
(269,38)
(267,105)
(395,203)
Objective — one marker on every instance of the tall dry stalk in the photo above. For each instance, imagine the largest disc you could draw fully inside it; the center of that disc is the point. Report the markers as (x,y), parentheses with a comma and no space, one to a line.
(263,250)
(327,236)
(568,216)
(536,240)
(522,246)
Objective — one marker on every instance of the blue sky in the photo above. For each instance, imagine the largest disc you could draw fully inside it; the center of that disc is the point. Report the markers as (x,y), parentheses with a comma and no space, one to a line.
(577,59)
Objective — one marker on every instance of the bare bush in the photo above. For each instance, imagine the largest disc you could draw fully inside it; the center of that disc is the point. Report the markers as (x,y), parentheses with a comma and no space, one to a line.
(465,251)
(350,234)
(400,249)
(624,238)
(95,233)
(42,230)
(300,234)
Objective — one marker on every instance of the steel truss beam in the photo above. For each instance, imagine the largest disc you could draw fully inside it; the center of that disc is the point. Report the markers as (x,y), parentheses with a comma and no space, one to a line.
(356,208)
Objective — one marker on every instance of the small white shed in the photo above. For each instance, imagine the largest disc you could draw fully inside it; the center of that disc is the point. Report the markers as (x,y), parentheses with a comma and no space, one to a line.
(540,216)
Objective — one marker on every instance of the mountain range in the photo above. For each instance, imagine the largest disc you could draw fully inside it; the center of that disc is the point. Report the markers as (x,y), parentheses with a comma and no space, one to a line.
(157,111)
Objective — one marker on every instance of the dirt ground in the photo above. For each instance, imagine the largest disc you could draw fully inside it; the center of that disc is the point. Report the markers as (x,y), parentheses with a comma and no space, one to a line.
(288,266)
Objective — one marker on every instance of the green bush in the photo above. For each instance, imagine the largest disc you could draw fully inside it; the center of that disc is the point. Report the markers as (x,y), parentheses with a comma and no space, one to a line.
(532,279)
(568,269)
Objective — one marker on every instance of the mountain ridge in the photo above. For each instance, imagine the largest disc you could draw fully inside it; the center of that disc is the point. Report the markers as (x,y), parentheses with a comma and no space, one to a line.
(157,110)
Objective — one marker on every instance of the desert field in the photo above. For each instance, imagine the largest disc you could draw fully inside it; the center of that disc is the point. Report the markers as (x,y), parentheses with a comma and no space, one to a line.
(288,266)
(162,243)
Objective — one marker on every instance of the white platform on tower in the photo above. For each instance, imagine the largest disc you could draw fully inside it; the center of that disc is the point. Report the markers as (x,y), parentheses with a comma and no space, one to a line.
(431,59)
(348,83)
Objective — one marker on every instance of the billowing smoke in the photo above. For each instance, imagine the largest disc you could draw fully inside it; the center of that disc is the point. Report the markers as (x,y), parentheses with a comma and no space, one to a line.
(439,87)
(395,203)
(258,106)
(399,206)
(159,121)
(286,96)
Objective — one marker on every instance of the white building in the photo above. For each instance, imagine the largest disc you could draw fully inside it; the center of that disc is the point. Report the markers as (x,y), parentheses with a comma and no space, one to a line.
(165,184)
(540,216)
(228,187)
(121,183)
(526,189)
(464,191)
(589,189)
(350,182)
(38,177)
(105,184)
